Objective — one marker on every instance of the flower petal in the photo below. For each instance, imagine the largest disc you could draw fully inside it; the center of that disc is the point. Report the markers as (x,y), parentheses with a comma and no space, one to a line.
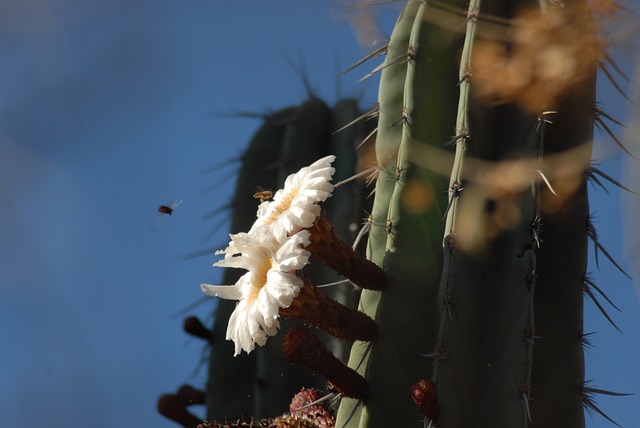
(295,206)
(268,307)
(272,252)
(229,292)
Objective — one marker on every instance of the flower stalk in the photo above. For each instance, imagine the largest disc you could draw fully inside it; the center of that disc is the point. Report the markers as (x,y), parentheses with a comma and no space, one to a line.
(315,308)
(327,247)
(303,348)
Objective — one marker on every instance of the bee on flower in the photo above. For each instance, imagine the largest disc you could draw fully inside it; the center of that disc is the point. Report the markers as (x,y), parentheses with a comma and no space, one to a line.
(295,206)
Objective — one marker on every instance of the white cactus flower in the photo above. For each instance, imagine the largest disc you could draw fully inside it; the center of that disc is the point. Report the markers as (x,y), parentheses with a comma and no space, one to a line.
(295,206)
(271,283)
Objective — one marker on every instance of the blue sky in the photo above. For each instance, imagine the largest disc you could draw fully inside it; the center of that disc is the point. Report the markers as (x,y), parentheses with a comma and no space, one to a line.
(108,109)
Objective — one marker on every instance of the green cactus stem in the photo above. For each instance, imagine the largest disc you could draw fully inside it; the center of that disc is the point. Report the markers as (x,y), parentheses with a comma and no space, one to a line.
(405,237)
(485,343)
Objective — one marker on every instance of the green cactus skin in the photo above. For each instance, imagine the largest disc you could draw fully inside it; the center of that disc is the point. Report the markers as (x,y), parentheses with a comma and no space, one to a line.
(413,112)
(558,360)
(387,143)
(484,348)
(306,138)
(343,145)
(483,360)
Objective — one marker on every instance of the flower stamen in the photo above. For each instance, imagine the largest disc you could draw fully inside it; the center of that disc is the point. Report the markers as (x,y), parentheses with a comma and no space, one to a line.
(259,279)
(271,283)
(283,205)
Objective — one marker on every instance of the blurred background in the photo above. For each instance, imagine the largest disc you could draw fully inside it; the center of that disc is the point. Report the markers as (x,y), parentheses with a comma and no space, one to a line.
(109,109)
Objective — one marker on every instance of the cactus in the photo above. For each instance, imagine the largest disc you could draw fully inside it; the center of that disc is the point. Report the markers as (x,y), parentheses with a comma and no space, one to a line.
(491,309)
(479,226)
(262,383)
